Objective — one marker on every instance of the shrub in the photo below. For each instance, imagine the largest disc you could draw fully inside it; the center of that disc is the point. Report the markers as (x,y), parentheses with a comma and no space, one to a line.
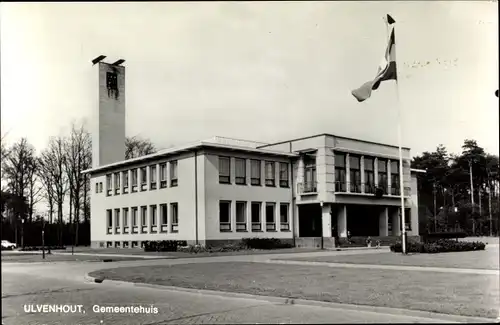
(439,246)
(264,243)
(163,245)
(435,236)
(39,248)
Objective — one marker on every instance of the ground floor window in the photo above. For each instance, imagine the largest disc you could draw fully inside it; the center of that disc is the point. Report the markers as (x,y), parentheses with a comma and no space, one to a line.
(225,215)
(284,220)
(270,220)
(255,211)
(241,216)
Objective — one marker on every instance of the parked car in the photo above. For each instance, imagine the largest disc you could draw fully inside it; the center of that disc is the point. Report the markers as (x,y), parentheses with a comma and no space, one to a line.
(7,245)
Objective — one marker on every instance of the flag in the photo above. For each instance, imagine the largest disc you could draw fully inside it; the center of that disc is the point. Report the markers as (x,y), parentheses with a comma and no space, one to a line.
(386,71)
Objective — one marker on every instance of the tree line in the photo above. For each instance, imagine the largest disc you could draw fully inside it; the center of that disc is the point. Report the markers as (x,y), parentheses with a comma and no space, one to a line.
(54,177)
(459,191)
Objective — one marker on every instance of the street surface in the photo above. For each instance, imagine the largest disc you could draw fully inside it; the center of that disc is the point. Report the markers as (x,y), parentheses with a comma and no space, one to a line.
(64,283)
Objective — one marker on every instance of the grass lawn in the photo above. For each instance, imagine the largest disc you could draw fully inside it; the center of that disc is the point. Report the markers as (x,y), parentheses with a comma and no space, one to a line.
(459,294)
(487,259)
(33,258)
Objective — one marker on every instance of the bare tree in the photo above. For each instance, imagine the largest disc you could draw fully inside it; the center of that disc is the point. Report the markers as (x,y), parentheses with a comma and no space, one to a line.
(34,188)
(16,173)
(48,189)
(76,148)
(53,160)
(137,146)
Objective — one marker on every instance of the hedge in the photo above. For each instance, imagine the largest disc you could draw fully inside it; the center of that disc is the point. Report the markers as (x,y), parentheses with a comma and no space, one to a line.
(163,245)
(39,248)
(264,243)
(440,246)
(443,235)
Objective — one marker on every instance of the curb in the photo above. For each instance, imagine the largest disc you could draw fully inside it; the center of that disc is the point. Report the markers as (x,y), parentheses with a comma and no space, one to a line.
(305,302)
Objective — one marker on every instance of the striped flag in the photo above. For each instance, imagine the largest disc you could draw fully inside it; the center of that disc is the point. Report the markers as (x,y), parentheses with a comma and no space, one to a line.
(386,71)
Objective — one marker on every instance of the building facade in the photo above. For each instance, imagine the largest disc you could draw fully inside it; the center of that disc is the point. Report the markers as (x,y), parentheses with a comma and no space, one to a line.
(222,190)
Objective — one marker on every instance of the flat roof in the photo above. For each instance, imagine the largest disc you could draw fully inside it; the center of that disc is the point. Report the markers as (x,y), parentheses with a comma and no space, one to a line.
(418,170)
(332,135)
(187,148)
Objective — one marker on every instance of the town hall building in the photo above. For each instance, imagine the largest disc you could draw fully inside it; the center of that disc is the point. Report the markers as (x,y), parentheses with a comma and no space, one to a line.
(303,191)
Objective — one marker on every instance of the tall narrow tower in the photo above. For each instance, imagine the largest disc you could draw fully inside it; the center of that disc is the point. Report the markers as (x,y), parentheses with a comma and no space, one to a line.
(108,136)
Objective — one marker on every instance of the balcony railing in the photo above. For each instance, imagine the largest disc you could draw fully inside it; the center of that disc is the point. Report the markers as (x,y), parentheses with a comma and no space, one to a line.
(256,226)
(370,188)
(395,190)
(340,186)
(309,187)
(355,187)
(175,227)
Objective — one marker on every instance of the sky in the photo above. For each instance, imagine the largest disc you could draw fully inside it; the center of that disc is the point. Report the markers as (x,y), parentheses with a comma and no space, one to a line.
(263,71)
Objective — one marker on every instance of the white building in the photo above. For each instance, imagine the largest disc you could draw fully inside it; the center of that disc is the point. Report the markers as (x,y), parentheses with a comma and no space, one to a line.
(222,189)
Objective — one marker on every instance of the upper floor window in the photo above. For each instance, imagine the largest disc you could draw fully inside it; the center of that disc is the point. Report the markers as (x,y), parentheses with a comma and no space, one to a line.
(173,173)
(382,175)
(224,170)
(284,175)
(144,176)
(369,175)
(152,177)
(355,173)
(134,177)
(109,184)
(125,179)
(255,172)
(163,175)
(340,172)
(270,174)
(310,173)
(117,183)
(240,171)
(395,178)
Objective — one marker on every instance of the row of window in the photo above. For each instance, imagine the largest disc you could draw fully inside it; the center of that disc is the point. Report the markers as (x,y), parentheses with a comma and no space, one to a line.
(225,216)
(119,182)
(240,177)
(143,219)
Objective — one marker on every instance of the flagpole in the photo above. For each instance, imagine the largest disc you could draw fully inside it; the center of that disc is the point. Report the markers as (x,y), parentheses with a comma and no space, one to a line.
(401,180)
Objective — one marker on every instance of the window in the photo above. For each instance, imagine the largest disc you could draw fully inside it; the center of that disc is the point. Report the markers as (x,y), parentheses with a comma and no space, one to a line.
(395,178)
(310,174)
(224,170)
(152,177)
(355,174)
(125,181)
(134,217)
(340,172)
(225,216)
(164,214)
(255,211)
(100,187)
(125,217)
(144,216)
(175,216)
(134,180)
(408,219)
(97,187)
(108,184)
(241,216)
(111,81)
(382,175)
(117,183)
(270,175)
(144,177)
(109,217)
(283,175)
(117,218)
(270,221)
(152,209)
(284,221)
(241,171)
(369,175)
(163,175)
(173,173)
(255,172)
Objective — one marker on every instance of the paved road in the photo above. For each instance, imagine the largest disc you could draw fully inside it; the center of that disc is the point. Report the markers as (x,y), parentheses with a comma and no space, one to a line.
(63,283)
